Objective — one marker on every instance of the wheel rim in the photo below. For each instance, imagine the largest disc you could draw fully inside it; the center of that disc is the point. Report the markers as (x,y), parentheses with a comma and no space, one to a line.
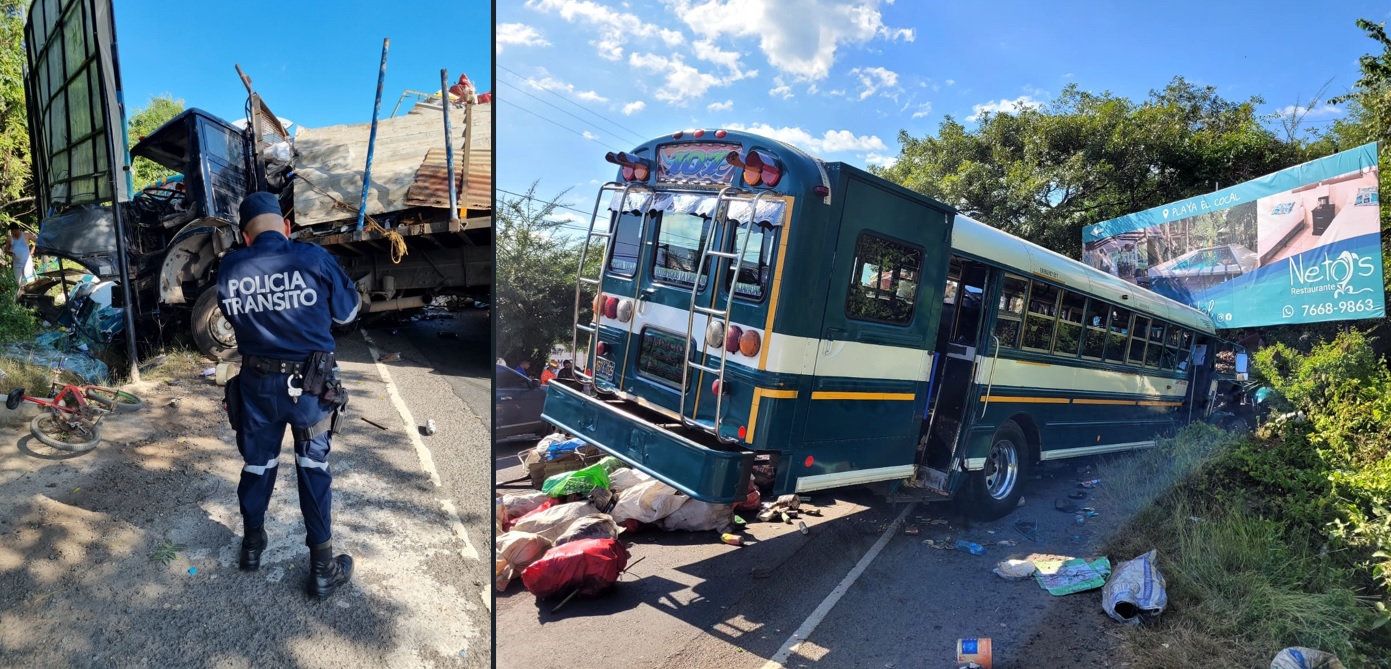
(220,329)
(64,431)
(1002,469)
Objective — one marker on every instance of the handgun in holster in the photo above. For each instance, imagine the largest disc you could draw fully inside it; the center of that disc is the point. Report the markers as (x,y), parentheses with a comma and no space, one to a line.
(232,402)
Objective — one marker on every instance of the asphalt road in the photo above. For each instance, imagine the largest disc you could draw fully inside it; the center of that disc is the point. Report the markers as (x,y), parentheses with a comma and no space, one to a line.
(694,602)
(79,585)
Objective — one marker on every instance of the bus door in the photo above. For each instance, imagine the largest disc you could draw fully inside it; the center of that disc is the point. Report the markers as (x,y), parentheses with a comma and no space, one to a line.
(958,337)
(873,358)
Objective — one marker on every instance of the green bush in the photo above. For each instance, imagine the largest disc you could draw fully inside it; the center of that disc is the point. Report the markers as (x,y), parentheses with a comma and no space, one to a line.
(1330,472)
(16,322)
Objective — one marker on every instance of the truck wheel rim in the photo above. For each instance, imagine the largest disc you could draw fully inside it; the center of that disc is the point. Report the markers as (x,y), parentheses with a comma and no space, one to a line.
(221,330)
(1002,469)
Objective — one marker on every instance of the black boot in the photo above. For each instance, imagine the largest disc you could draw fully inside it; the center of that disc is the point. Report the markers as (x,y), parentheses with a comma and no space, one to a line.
(326,572)
(252,543)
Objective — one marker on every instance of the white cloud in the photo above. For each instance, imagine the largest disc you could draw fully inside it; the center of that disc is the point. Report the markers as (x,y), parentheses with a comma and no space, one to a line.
(951,82)
(590,136)
(613,29)
(874,78)
(799,37)
(707,51)
(831,141)
(552,84)
(720,106)
(519,34)
(780,88)
(923,110)
(634,107)
(684,83)
(1003,107)
(1316,112)
(880,160)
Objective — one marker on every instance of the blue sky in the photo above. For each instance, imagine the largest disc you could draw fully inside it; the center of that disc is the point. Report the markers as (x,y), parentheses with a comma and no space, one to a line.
(315,62)
(840,78)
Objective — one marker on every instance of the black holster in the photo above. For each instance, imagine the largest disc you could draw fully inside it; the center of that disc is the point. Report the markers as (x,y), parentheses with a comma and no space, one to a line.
(318,372)
(232,402)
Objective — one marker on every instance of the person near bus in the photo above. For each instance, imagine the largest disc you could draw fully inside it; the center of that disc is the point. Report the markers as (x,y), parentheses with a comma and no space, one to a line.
(281,298)
(524,368)
(548,373)
(567,371)
(21,252)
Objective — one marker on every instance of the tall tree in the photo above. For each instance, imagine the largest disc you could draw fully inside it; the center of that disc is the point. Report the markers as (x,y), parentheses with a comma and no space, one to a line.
(15,178)
(1045,173)
(144,121)
(535,277)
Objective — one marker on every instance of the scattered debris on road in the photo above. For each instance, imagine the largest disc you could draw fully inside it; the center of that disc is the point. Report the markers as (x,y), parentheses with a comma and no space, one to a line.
(389,357)
(1136,592)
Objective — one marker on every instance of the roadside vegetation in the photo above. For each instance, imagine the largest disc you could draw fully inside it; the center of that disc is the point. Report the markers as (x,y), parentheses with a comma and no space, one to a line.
(1279,538)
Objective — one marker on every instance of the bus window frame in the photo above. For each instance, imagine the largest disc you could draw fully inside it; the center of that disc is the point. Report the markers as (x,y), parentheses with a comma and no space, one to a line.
(1081,324)
(1103,328)
(678,284)
(1002,314)
(854,283)
(727,282)
(1024,326)
(612,244)
(1123,331)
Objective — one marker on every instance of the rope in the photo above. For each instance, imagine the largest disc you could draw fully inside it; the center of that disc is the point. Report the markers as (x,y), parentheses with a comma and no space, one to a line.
(398,243)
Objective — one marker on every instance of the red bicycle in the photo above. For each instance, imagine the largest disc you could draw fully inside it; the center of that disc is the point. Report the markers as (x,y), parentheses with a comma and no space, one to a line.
(72,420)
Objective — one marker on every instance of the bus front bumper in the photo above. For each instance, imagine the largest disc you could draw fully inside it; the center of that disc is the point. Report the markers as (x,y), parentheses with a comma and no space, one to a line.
(652,443)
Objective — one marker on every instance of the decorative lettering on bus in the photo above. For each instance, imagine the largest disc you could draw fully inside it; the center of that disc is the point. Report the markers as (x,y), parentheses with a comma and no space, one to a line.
(660,355)
(702,162)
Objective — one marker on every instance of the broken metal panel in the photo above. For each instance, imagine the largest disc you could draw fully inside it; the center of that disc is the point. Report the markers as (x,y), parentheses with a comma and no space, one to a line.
(332,159)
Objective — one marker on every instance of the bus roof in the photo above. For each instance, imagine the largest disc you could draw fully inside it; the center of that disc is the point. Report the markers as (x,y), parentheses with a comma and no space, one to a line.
(988,243)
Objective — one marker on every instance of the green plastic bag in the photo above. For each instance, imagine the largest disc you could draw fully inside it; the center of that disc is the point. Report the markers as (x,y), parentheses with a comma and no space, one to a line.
(611,464)
(578,482)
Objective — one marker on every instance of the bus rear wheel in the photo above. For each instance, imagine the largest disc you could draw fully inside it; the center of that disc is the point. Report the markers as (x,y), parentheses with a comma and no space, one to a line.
(212,332)
(994,490)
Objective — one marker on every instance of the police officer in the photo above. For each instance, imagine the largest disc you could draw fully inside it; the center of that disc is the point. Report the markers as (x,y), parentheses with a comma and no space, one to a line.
(281,298)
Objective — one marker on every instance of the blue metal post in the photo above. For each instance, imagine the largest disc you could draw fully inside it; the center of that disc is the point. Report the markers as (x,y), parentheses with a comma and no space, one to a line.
(449,145)
(372,139)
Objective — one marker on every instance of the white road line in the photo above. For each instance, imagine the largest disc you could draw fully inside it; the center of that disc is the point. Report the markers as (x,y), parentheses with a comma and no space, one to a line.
(427,462)
(809,625)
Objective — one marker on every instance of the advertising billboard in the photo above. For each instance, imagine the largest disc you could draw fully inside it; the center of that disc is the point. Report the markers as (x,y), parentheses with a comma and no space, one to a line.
(1301,245)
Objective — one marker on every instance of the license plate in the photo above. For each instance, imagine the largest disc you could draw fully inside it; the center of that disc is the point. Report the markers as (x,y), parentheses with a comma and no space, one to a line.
(603,368)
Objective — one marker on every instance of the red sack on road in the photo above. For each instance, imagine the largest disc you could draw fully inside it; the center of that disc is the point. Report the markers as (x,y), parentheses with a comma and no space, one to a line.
(752,502)
(590,566)
(509,524)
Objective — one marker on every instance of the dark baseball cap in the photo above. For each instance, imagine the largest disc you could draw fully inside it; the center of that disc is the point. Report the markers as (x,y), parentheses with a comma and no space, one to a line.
(257,204)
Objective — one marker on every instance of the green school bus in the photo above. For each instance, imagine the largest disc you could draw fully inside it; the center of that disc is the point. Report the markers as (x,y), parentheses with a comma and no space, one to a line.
(760,313)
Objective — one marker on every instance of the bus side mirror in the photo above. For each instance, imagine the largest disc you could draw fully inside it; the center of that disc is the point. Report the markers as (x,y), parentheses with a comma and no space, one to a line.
(1241,367)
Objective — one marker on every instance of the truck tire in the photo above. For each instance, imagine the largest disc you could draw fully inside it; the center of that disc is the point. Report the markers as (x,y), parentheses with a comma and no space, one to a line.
(211,330)
(994,490)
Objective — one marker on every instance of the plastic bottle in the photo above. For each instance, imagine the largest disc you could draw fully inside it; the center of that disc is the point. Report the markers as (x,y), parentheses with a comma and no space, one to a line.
(430,426)
(973,548)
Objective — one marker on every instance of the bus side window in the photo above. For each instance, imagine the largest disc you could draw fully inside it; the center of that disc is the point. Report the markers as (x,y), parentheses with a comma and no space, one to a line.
(626,244)
(1041,317)
(1156,346)
(1117,338)
(1137,341)
(883,282)
(1094,339)
(1013,292)
(1070,316)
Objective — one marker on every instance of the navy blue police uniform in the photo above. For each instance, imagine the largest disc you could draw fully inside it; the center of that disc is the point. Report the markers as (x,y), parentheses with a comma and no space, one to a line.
(281,298)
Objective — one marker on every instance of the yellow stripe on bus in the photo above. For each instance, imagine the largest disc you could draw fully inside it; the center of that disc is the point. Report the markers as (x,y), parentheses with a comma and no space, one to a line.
(758,395)
(777,283)
(1082,400)
(1147,403)
(834,395)
(1024,400)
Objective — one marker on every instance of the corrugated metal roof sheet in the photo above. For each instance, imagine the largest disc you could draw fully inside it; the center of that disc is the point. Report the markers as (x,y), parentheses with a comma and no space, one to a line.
(408,167)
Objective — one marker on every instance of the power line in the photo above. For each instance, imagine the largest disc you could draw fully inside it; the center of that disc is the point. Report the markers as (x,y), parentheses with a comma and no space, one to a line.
(537,199)
(635,133)
(523,92)
(577,132)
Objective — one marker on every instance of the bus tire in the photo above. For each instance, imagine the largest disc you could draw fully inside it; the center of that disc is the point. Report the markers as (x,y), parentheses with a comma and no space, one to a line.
(994,490)
(211,331)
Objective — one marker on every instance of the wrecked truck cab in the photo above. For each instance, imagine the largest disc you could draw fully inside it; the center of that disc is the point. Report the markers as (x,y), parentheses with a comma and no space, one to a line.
(84,234)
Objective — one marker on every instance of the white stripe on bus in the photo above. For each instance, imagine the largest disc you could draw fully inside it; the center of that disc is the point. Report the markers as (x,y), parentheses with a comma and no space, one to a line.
(1019,374)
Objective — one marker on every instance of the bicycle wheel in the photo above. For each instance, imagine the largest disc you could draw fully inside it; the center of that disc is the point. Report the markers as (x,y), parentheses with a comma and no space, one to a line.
(76,435)
(115,400)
